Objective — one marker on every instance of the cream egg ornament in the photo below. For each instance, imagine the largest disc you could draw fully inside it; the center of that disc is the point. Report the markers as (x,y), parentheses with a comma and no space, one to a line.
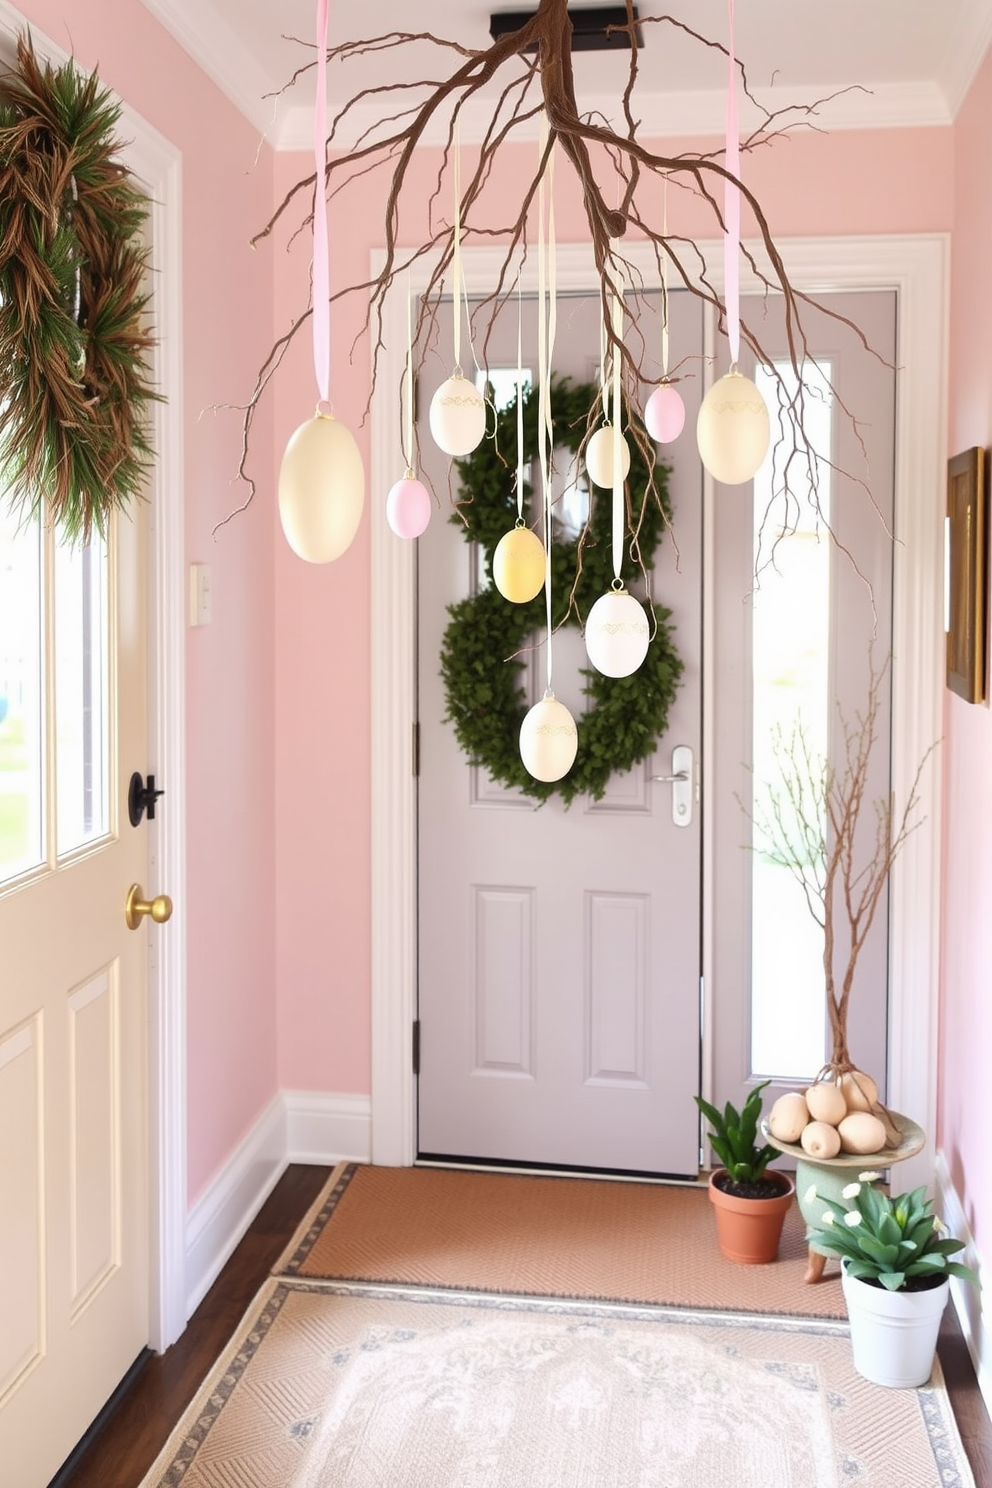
(458,416)
(549,739)
(861,1132)
(788,1117)
(617,634)
(820,1140)
(599,457)
(732,429)
(321,489)
(519,565)
(860,1090)
(826,1102)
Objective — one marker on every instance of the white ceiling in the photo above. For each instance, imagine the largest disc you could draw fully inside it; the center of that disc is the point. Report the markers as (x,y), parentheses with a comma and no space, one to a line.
(903,61)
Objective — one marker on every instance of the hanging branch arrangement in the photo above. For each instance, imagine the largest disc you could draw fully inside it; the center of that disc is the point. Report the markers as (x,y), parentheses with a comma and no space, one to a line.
(811,821)
(521,74)
(74,379)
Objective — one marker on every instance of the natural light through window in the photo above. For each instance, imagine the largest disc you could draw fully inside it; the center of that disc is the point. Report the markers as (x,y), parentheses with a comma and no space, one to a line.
(21,744)
(791,683)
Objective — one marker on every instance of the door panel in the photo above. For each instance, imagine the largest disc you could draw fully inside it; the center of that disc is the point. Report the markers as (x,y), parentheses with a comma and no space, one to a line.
(559,948)
(73,1056)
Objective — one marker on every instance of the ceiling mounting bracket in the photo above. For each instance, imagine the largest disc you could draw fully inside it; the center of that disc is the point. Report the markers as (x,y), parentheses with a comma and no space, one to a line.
(589,27)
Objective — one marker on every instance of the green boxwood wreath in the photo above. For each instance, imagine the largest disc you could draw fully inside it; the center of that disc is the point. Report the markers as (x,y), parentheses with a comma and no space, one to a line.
(480,662)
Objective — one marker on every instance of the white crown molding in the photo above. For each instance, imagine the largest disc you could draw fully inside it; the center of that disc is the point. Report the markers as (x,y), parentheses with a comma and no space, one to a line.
(216,47)
(674,115)
(966,49)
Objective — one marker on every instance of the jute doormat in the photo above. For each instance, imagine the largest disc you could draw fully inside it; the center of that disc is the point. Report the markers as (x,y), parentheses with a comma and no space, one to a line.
(331,1385)
(544,1236)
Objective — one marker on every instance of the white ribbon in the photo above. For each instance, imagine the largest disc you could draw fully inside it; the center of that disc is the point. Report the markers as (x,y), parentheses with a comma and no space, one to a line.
(456,257)
(408,380)
(618,501)
(546,328)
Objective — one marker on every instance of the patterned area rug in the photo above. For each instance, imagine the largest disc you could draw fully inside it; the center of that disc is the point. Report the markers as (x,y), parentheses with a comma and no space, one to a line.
(329,1385)
(545,1236)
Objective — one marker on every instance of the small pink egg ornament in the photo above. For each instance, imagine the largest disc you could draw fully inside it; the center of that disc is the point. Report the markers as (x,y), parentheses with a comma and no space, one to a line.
(664,414)
(408,506)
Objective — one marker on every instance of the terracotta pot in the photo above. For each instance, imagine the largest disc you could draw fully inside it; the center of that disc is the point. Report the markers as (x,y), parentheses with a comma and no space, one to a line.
(749,1230)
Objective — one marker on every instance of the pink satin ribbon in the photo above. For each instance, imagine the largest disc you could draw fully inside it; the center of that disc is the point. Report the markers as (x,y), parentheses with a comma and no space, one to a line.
(321,261)
(732,210)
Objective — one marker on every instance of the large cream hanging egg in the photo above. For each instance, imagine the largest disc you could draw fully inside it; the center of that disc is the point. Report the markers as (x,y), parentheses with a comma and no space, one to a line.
(548,739)
(519,565)
(457,416)
(617,634)
(599,457)
(732,430)
(321,489)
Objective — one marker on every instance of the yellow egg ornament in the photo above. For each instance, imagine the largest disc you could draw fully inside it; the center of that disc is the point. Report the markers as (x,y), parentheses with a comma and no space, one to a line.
(519,565)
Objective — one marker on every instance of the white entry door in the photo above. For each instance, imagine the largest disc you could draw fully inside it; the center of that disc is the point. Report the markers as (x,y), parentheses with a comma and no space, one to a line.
(74,1291)
(559,949)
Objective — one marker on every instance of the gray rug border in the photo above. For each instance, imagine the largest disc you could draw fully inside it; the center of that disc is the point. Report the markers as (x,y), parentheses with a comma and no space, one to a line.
(177,1455)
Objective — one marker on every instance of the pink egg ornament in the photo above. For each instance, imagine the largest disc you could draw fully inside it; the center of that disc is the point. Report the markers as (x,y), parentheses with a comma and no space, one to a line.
(664,414)
(408,507)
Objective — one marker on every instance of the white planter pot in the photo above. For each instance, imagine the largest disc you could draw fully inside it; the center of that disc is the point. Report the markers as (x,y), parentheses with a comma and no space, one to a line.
(893,1334)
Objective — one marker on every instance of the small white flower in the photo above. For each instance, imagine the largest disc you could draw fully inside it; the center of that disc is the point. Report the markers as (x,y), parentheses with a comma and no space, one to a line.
(810,1194)
(851,1191)
(853,1218)
(869,1177)
(828,1218)
(939,1225)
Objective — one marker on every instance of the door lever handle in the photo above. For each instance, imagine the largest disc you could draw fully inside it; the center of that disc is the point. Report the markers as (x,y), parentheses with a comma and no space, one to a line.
(681,781)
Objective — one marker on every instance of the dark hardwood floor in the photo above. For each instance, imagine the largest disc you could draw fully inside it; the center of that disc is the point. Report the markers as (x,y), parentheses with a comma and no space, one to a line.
(119,1452)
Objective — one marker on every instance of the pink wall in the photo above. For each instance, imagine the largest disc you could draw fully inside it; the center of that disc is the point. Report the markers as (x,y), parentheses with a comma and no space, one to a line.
(227,296)
(966,973)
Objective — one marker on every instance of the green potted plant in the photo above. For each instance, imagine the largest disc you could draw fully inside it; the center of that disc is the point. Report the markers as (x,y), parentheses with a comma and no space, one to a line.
(895,1271)
(750,1202)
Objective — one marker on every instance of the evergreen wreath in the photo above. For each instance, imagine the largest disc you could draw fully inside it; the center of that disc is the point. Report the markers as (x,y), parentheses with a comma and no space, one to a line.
(481,659)
(74,384)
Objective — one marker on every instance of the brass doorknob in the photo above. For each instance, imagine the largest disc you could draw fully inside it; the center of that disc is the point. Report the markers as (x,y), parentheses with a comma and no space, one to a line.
(135,907)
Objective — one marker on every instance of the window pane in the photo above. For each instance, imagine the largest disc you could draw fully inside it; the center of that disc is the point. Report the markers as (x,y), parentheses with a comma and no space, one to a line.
(791,682)
(21,742)
(81,693)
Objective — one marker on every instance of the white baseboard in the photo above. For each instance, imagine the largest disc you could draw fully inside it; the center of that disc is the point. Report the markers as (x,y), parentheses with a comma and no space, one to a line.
(974,1315)
(234,1196)
(327,1128)
(297,1126)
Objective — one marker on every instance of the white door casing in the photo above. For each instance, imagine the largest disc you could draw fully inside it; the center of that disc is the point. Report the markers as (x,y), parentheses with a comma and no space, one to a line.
(157,165)
(917,268)
(559,947)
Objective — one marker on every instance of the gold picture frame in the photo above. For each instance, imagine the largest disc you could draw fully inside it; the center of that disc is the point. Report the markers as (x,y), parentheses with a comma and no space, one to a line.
(967,575)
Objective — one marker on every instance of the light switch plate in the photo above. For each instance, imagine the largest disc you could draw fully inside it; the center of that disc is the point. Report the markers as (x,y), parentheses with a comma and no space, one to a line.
(200,594)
